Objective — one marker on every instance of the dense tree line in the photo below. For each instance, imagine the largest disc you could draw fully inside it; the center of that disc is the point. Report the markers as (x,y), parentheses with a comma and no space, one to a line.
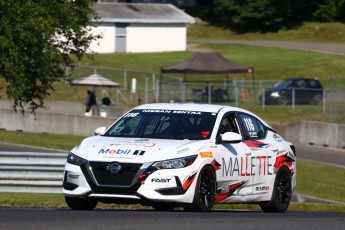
(268,15)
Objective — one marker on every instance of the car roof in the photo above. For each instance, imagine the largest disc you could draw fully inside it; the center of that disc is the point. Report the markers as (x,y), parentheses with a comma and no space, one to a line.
(300,78)
(212,108)
(186,107)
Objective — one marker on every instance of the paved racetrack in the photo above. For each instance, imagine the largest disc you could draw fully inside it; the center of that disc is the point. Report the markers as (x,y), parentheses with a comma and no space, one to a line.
(30,219)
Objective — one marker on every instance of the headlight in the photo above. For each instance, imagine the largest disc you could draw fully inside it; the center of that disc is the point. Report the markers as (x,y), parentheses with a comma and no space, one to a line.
(175,163)
(275,94)
(75,160)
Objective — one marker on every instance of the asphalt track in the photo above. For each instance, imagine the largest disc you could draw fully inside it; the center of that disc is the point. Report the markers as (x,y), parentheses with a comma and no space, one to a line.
(30,219)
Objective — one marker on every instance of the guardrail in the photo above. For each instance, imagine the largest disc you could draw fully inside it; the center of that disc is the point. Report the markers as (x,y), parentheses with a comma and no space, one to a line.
(31,172)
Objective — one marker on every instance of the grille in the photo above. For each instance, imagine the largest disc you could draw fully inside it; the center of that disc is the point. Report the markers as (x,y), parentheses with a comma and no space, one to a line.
(123,178)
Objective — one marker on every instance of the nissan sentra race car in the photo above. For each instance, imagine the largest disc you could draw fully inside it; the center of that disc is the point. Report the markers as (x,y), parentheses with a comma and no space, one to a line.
(182,155)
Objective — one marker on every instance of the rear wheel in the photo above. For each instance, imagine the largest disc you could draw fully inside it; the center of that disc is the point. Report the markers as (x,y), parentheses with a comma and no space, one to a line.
(281,195)
(205,191)
(80,203)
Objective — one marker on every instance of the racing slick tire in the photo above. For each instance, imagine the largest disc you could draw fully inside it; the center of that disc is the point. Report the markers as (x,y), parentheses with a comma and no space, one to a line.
(80,203)
(282,192)
(205,191)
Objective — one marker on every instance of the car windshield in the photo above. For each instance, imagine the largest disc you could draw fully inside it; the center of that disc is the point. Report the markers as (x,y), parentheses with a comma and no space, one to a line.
(283,84)
(164,124)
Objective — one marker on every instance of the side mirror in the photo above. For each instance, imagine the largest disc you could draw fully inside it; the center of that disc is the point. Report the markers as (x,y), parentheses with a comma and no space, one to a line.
(100,130)
(231,137)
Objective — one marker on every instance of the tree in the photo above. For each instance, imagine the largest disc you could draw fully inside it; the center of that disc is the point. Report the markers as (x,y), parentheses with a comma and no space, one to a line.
(330,11)
(37,40)
(263,15)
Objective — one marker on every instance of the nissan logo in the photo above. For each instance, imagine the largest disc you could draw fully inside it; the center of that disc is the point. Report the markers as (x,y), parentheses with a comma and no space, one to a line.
(114,167)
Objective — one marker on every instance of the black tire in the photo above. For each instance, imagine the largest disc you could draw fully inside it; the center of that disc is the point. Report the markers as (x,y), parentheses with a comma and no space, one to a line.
(80,203)
(317,99)
(163,207)
(282,192)
(283,100)
(205,191)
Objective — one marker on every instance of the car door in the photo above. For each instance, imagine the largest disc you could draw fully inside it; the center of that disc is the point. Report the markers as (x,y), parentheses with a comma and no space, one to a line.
(261,156)
(233,176)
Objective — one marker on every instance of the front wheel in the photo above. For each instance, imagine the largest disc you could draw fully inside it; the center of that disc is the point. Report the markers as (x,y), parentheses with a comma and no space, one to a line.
(282,192)
(80,203)
(205,191)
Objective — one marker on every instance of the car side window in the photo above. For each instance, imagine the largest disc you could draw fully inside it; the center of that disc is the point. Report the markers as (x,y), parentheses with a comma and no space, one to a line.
(253,128)
(229,124)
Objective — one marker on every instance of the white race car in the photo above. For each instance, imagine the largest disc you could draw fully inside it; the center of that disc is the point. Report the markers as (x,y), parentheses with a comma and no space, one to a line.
(182,155)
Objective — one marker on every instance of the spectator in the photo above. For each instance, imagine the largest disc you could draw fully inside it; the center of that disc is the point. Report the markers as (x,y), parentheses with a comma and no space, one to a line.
(90,100)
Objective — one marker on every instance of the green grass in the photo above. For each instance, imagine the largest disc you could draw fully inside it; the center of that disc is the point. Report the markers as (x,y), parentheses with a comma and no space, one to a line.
(320,181)
(35,200)
(53,141)
(308,32)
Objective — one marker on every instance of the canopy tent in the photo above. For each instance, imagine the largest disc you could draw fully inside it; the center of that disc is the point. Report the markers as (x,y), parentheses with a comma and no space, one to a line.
(207,63)
(95,80)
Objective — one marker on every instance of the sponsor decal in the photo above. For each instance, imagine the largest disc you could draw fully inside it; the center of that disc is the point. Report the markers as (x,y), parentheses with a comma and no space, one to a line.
(138,142)
(206,155)
(262,188)
(73,176)
(183,150)
(227,190)
(162,180)
(277,138)
(110,151)
(245,166)
(171,111)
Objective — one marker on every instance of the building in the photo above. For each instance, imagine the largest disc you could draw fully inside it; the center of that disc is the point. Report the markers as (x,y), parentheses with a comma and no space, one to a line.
(134,28)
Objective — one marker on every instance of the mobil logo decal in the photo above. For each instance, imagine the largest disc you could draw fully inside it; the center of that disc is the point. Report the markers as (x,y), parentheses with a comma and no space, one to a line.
(114,151)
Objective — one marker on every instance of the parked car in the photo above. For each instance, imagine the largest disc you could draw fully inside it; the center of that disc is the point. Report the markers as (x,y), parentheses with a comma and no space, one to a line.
(302,90)
(182,155)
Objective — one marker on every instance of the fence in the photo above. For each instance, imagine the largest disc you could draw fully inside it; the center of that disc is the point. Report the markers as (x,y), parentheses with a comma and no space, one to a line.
(151,87)
(31,172)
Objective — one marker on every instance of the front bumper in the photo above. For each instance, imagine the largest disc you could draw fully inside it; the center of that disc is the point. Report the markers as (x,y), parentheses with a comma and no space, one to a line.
(137,184)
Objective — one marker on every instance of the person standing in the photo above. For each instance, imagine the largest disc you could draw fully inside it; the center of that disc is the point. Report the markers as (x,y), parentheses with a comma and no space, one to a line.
(90,100)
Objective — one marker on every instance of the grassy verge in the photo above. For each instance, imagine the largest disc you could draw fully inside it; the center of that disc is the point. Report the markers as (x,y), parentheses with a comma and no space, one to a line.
(33,200)
(308,32)
(53,141)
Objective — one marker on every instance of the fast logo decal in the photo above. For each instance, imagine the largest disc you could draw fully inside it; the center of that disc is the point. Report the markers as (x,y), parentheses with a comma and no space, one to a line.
(253,144)
(226,192)
(188,181)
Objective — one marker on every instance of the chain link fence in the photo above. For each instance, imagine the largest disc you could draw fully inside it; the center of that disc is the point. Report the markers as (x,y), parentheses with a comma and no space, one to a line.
(137,87)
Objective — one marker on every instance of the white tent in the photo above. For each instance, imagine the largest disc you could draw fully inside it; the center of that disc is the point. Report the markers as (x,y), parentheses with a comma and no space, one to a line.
(95,80)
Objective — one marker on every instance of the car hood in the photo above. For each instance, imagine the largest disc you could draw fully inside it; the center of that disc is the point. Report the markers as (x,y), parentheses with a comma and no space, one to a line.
(273,89)
(136,150)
